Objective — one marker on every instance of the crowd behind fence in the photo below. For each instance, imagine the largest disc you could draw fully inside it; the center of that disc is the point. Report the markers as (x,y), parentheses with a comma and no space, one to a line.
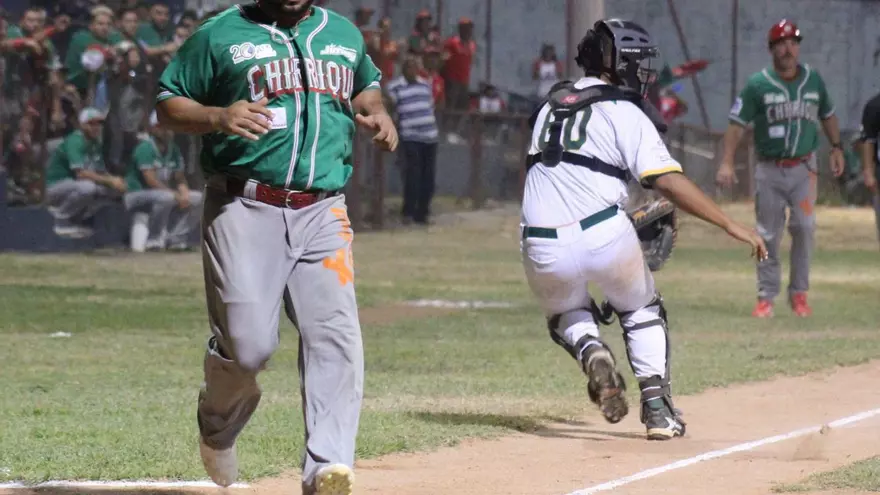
(58,60)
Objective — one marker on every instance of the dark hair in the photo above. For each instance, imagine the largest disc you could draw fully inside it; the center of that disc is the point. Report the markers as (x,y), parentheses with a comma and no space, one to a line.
(189,14)
(127,10)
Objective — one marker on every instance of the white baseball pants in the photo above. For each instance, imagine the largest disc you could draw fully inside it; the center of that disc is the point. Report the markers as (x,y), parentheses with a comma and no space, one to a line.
(608,255)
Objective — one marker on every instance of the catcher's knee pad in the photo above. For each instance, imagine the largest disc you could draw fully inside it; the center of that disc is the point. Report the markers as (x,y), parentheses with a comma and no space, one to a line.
(569,319)
(652,315)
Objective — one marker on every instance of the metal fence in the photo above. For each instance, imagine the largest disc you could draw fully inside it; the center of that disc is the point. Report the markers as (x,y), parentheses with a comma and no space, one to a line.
(490,166)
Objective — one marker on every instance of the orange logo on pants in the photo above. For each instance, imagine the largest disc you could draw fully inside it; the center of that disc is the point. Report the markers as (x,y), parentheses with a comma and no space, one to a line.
(340,264)
(343,261)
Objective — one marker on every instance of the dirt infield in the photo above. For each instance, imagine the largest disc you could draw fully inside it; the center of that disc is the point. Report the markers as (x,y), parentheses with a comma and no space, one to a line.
(562,458)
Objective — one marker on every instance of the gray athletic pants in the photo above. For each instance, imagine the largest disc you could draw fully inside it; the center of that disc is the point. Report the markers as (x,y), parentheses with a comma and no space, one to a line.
(877,213)
(75,201)
(255,256)
(778,188)
(166,218)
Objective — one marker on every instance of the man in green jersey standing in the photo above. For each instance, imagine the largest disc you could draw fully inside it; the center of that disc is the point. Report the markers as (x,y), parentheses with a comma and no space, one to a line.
(785,103)
(275,88)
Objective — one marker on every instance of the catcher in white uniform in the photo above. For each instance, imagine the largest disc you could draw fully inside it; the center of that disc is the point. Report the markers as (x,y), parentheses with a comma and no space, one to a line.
(588,140)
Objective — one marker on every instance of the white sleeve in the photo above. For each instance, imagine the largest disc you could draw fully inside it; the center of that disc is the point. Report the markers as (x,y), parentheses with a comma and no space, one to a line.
(644,152)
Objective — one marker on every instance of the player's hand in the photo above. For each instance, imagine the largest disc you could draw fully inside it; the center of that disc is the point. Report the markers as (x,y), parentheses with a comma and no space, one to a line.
(726,176)
(118,183)
(870,181)
(182,197)
(386,134)
(740,233)
(245,119)
(837,162)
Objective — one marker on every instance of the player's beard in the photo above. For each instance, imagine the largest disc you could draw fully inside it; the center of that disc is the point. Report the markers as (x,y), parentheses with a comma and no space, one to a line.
(286,12)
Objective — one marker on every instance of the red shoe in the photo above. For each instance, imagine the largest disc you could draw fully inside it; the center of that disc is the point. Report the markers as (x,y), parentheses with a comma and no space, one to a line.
(799,304)
(763,309)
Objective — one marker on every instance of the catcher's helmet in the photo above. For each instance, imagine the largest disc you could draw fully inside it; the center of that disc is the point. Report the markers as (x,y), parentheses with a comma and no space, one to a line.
(782,30)
(618,48)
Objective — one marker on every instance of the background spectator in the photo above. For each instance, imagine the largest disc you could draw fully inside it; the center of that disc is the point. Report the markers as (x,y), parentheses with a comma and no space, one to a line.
(432,63)
(458,58)
(547,71)
(86,73)
(388,49)
(424,34)
(413,103)
(77,183)
(156,186)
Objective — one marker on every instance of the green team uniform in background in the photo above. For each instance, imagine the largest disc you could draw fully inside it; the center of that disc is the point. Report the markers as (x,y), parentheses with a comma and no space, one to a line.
(258,253)
(74,201)
(146,155)
(74,153)
(786,116)
(79,43)
(168,224)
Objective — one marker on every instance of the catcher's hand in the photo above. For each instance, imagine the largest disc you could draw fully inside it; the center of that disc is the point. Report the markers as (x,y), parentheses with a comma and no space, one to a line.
(657,226)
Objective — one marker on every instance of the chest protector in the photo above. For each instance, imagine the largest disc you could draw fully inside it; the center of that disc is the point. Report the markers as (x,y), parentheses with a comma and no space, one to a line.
(565,101)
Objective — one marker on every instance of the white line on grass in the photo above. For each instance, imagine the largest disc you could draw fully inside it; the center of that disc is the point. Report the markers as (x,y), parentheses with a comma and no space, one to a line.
(743,447)
(121,485)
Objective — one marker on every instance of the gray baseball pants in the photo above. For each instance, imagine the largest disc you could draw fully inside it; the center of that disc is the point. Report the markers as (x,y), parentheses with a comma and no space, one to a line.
(168,222)
(257,257)
(75,201)
(777,189)
(877,213)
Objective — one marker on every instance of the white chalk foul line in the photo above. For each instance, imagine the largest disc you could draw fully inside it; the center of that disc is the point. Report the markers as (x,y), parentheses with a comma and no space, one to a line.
(743,447)
(121,485)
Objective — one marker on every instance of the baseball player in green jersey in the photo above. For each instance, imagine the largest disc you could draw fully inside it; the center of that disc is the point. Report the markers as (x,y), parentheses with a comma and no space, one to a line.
(157,185)
(77,182)
(786,104)
(275,89)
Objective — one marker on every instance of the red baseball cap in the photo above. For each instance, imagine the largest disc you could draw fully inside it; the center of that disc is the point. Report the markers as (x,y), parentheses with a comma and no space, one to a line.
(782,30)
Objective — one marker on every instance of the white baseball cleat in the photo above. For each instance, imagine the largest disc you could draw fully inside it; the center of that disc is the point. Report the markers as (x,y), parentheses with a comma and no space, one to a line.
(221,465)
(335,479)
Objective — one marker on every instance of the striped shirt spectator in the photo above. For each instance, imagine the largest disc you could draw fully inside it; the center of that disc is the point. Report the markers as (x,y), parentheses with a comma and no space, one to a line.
(414,101)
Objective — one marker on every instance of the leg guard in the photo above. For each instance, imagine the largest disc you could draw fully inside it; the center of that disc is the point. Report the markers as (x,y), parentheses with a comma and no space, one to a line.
(605,385)
(574,318)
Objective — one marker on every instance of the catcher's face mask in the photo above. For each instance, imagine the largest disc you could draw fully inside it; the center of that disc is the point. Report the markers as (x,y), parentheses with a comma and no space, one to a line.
(630,55)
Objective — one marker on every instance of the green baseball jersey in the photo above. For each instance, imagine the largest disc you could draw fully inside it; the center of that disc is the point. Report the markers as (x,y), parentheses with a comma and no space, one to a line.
(785,114)
(148,34)
(309,73)
(79,43)
(147,156)
(74,153)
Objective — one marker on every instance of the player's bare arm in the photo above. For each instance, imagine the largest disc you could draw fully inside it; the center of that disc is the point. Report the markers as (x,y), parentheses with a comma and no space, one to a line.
(868,151)
(687,196)
(152,180)
(831,126)
(242,118)
(371,113)
(182,193)
(726,175)
(108,180)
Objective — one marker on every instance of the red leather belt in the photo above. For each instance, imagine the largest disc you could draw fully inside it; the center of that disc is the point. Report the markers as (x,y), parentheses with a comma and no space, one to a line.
(789,162)
(275,196)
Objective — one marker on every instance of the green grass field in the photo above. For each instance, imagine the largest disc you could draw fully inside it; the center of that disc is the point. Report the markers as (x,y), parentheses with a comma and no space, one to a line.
(863,476)
(116,399)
